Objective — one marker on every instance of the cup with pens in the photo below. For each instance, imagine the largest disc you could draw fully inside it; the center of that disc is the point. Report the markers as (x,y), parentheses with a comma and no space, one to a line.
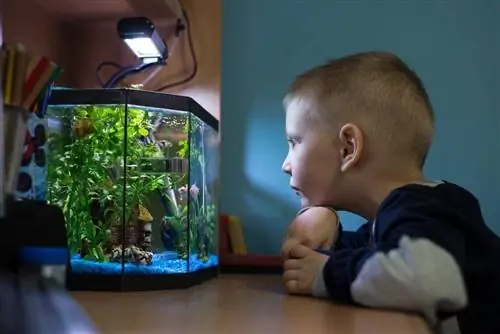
(26,81)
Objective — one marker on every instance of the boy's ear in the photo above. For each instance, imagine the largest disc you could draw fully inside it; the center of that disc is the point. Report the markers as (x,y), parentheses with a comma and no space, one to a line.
(351,145)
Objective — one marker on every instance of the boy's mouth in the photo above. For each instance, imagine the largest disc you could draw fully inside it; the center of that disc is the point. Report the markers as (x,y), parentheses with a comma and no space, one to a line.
(297,191)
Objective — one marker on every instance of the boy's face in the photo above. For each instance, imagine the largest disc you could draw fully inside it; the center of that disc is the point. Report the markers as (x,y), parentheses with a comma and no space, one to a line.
(314,159)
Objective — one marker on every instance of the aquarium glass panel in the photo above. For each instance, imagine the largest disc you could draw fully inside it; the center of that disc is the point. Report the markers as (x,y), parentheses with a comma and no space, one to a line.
(156,174)
(211,146)
(202,213)
(86,179)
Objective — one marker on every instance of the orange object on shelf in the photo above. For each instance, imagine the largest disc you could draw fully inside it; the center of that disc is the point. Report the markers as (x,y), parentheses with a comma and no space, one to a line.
(229,260)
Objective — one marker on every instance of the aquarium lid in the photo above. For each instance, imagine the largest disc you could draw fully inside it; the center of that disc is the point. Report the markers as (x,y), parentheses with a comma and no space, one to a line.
(44,255)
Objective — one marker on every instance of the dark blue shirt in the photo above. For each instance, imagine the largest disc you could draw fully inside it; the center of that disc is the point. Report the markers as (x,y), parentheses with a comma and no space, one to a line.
(429,251)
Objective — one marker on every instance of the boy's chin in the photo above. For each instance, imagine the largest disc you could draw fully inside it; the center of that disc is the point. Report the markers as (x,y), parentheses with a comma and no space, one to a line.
(304,202)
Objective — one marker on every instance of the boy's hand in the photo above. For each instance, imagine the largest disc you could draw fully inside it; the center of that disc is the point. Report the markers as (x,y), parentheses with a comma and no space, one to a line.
(301,269)
(315,228)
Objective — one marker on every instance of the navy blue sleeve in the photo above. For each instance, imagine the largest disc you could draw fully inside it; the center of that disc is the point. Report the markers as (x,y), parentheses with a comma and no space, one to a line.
(415,265)
(353,239)
(350,239)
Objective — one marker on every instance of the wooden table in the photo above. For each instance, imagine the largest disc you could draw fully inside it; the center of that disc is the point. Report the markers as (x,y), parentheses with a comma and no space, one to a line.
(236,304)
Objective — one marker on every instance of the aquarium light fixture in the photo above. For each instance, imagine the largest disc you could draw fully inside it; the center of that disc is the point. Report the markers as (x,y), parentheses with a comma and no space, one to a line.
(142,38)
(140,35)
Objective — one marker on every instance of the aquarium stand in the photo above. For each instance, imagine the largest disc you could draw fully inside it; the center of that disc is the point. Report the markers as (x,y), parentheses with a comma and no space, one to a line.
(121,283)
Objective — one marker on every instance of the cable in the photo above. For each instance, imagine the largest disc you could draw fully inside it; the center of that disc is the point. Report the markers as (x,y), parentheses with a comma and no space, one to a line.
(124,72)
(101,66)
(193,57)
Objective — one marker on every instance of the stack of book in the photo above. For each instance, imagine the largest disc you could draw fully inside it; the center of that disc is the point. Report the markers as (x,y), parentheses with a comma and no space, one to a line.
(25,76)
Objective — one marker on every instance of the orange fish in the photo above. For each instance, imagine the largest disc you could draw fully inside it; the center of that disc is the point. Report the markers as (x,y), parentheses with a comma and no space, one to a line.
(83,127)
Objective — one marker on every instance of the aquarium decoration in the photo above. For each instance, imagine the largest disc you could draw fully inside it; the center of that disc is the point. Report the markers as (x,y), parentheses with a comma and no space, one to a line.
(130,179)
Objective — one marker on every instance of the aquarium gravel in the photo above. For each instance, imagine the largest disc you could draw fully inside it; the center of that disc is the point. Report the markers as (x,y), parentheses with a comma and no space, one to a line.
(163,263)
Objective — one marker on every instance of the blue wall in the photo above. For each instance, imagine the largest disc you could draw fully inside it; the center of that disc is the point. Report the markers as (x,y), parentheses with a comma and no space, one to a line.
(451,44)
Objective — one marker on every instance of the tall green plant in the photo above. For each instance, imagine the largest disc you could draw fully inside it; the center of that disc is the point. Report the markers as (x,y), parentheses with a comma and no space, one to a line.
(92,167)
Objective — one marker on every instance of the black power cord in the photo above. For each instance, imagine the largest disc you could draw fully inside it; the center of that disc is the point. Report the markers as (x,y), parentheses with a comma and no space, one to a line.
(103,65)
(193,57)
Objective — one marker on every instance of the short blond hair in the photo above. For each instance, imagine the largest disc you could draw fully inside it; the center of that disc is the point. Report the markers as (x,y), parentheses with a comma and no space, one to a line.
(377,89)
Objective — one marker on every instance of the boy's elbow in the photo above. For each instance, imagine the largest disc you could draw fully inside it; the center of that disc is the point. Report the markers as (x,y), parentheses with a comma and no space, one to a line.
(418,276)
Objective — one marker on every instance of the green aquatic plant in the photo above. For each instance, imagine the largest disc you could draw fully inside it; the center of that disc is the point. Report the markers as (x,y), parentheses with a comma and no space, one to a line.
(194,224)
(178,222)
(99,161)
(201,227)
(194,232)
(187,147)
(211,223)
(96,161)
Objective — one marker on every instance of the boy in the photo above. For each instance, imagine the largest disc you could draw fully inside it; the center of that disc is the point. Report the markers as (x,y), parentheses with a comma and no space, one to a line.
(359,129)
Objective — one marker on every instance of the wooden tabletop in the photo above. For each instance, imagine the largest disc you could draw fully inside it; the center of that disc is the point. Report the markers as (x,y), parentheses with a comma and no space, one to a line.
(236,304)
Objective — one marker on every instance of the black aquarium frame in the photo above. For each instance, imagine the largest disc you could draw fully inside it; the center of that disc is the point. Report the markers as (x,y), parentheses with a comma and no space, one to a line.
(125,282)
(143,98)
(61,96)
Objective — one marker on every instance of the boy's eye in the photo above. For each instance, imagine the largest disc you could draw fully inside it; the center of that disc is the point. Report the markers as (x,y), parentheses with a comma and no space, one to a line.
(292,141)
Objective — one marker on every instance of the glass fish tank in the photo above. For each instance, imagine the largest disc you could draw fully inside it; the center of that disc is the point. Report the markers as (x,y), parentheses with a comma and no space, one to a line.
(135,173)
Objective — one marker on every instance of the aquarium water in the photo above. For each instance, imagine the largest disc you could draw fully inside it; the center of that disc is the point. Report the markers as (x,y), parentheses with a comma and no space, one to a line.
(137,187)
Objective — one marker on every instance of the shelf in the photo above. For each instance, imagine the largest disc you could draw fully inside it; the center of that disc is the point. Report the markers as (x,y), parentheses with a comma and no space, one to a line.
(103,10)
(251,263)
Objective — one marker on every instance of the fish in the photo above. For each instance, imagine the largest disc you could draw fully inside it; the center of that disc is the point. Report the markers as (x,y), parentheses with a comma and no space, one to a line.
(83,127)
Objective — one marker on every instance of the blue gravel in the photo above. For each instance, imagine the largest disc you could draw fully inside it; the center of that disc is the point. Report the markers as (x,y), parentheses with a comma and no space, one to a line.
(163,263)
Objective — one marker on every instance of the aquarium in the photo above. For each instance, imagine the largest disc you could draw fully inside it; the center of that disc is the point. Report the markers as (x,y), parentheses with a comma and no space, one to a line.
(136,175)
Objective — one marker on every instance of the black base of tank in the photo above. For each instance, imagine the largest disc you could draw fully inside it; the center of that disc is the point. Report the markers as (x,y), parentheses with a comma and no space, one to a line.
(76,282)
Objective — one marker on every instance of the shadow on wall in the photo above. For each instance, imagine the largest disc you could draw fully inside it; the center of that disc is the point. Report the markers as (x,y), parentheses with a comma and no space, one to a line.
(270,208)
(263,206)
(252,203)
(273,209)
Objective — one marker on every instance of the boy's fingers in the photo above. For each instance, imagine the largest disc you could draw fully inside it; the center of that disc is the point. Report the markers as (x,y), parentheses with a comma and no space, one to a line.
(287,247)
(290,275)
(292,286)
(299,251)
(291,264)
(291,281)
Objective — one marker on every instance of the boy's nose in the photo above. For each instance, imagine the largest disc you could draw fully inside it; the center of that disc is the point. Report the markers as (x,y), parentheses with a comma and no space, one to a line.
(286,167)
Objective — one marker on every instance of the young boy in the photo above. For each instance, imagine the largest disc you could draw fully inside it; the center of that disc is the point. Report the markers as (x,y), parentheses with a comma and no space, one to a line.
(359,129)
